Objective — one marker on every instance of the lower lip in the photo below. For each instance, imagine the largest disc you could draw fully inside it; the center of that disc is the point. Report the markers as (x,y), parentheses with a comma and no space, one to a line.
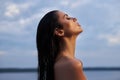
(78,24)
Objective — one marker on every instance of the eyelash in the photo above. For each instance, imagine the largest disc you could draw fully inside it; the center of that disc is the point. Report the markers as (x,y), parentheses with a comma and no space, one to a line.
(68,18)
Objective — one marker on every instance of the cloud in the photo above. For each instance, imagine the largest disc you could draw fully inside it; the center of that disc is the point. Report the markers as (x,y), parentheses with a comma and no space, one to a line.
(34,53)
(47,9)
(112,21)
(74,4)
(104,25)
(2,53)
(113,12)
(13,9)
(80,3)
(112,39)
(12,27)
(64,3)
(18,26)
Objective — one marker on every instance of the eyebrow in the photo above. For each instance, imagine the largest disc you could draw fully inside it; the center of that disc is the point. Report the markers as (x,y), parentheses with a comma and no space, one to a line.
(65,15)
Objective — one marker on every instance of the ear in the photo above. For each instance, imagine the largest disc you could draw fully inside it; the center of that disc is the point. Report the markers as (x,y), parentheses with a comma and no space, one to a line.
(59,32)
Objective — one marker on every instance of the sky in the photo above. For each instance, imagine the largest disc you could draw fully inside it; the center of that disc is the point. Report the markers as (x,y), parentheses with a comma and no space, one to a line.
(97,46)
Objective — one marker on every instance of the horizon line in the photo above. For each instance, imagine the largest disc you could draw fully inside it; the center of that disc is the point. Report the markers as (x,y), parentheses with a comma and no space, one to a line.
(35,69)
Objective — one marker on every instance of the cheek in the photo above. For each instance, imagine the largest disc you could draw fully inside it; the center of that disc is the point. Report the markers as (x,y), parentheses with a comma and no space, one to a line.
(72,29)
(68,29)
(67,24)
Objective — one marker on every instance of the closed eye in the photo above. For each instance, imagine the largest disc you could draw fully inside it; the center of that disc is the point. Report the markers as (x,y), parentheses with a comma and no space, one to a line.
(68,18)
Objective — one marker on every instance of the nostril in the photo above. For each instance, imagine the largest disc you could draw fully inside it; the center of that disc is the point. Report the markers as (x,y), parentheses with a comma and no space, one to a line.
(74,19)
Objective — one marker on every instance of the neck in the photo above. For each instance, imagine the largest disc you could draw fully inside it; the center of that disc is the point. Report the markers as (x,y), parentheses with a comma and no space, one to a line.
(67,47)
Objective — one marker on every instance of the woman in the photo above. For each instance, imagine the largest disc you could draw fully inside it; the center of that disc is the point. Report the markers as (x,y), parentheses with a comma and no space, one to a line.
(56,38)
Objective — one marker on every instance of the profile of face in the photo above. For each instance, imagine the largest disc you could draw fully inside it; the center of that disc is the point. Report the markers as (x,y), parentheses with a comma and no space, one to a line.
(70,26)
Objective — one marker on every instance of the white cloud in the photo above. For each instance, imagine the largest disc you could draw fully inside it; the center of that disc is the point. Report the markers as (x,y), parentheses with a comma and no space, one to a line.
(64,3)
(12,27)
(80,3)
(74,4)
(43,11)
(112,21)
(13,9)
(19,26)
(34,53)
(111,39)
(2,53)
(113,12)
(26,5)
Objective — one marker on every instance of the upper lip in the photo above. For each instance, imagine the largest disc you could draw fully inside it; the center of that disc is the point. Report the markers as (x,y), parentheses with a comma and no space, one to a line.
(78,24)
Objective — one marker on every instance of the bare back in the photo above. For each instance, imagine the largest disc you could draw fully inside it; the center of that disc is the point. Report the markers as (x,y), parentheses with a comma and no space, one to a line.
(69,69)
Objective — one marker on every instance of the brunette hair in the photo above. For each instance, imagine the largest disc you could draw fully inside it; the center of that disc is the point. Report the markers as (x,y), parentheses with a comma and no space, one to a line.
(47,45)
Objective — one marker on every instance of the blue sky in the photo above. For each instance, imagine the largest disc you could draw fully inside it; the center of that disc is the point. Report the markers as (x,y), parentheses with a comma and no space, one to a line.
(97,46)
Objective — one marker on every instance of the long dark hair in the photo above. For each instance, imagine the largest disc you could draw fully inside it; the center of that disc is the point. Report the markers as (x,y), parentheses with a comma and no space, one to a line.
(47,45)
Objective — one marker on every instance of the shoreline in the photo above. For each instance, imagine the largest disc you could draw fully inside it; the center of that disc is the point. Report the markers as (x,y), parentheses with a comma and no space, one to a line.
(35,69)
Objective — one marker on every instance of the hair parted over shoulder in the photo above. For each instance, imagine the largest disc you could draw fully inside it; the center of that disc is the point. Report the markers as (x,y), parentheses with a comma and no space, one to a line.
(47,45)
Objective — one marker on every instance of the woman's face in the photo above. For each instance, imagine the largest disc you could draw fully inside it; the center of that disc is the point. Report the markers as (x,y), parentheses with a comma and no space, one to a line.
(69,24)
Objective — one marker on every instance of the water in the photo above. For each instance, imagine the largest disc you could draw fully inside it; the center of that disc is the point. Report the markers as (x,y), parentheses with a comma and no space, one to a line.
(18,76)
(103,75)
(91,75)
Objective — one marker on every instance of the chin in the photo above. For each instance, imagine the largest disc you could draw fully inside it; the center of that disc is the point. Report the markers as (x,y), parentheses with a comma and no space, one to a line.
(80,31)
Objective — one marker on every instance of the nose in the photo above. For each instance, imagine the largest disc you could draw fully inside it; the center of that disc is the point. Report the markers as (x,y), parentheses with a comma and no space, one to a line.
(74,19)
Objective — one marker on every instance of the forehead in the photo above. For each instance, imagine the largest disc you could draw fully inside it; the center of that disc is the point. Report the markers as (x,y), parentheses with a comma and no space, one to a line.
(61,14)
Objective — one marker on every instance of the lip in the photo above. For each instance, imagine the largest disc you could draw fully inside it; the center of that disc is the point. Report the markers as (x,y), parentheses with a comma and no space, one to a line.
(78,24)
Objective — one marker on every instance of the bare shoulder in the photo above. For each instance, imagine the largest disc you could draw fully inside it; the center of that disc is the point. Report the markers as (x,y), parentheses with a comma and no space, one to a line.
(71,68)
(75,63)
(72,63)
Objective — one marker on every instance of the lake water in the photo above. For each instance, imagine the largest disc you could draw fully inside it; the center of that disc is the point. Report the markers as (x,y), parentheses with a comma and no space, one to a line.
(103,75)
(91,75)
